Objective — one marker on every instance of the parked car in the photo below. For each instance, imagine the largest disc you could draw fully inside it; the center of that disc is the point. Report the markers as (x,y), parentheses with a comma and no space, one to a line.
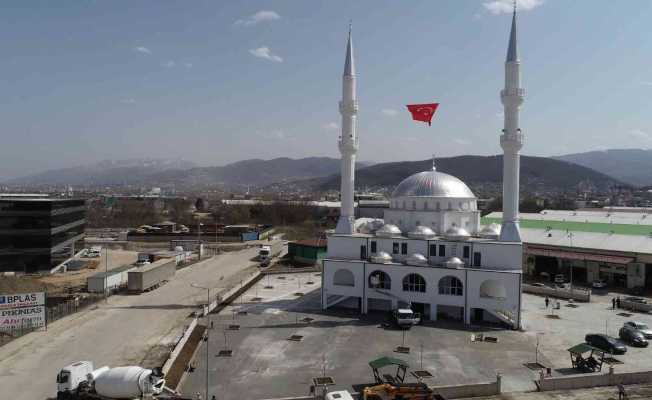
(560,278)
(633,337)
(599,284)
(636,300)
(606,343)
(638,327)
(539,284)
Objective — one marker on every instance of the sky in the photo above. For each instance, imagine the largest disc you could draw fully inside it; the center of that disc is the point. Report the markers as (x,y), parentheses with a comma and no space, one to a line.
(220,81)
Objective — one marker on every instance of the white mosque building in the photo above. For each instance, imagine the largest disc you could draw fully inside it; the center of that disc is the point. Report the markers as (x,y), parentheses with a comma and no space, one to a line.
(430,252)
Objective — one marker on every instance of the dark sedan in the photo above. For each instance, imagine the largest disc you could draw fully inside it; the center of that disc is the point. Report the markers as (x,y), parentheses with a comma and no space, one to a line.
(606,343)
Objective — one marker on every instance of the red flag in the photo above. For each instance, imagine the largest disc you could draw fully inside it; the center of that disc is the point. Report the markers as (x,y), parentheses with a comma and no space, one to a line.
(423,112)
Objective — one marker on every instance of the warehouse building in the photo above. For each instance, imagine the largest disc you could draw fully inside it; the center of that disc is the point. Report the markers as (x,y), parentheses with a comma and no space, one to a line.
(309,251)
(37,234)
(605,244)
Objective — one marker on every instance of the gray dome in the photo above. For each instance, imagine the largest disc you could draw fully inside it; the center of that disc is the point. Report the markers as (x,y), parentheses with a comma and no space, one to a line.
(421,232)
(381,258)
(455,232)
(416,259)
(432,184)
(388,230)
(454,262)
(490,231)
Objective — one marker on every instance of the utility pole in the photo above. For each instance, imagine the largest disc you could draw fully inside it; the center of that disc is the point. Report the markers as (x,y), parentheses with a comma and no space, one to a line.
(106,273)
(208,324)
(570,237)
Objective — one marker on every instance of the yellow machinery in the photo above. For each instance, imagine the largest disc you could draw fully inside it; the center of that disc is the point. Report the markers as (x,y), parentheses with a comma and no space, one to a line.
(403,391)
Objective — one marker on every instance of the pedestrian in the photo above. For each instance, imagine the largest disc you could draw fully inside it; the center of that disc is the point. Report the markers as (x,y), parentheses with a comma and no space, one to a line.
(547,302)
(213,398)
(211,324)
(618,302)
(613,303)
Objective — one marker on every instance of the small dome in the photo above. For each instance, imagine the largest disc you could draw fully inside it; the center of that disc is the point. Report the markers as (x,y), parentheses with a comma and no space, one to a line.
(381,258)
(491,231)
(370,227)
(455,232)
(421,232)
(416,259)
(432,184)
(388,230)
(454,262)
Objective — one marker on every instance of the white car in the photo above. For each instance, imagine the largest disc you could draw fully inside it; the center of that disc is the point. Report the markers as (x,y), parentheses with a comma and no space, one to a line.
(599,284)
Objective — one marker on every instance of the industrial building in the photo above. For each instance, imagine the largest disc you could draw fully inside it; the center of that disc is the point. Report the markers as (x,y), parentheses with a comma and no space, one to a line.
(309,251)
(37,234)
(585,246)
(429,252)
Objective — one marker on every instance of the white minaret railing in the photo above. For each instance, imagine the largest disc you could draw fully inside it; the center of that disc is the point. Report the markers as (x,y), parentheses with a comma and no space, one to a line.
(348,143)
(511,140)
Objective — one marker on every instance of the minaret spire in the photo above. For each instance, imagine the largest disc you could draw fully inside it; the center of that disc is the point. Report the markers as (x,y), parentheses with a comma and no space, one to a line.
(348,143)
(511,140)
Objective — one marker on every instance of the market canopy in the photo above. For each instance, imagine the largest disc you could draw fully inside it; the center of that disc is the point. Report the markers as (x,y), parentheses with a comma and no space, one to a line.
(386,361)
(584,348)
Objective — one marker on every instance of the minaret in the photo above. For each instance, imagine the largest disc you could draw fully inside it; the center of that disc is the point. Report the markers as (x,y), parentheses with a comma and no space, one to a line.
(348,142)
(512,139)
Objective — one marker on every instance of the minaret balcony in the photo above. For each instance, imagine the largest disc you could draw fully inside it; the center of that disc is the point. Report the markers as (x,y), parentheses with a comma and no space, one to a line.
(349,107)
(513,92)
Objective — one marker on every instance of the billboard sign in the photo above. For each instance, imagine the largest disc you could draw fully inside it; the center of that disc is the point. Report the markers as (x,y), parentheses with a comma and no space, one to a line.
(10,301)
(22,310)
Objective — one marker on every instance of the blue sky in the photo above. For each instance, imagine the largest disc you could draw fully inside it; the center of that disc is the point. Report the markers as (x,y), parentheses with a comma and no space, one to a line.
(220,81)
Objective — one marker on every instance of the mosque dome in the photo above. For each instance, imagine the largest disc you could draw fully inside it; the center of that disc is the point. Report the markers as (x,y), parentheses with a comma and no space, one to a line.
(491,231)
(388,230)
(455,232)
(454,262)
(432,184)
(416,259)
(381,258)
(421,232)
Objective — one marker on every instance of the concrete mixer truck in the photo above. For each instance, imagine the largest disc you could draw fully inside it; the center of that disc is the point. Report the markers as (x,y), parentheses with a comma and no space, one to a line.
(80,381)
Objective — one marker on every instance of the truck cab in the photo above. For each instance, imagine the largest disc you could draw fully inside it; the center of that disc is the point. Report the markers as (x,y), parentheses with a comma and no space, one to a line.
(406,318)
(70,377)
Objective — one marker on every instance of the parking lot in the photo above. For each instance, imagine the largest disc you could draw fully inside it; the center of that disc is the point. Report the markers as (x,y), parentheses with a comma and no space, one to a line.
(265,364)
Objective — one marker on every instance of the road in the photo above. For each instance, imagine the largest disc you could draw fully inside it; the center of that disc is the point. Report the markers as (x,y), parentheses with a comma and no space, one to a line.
(126,330)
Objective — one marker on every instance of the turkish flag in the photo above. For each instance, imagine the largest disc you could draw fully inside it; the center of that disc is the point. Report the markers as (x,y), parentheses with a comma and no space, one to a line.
(423,112)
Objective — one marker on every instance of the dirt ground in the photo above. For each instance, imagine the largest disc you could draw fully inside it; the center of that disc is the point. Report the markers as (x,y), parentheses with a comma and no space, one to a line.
(72,281)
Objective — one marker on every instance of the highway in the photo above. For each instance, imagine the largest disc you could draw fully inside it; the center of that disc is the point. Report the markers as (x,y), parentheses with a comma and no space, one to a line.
(128,330)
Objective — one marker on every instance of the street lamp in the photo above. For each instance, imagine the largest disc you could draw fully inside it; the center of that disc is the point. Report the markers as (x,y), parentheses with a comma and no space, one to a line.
(570,238)
(106,274)
(208,323)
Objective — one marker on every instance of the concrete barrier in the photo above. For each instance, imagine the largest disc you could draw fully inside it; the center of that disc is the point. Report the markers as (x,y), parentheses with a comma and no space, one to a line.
(635,306)
(469,390)
(177,348)
(582,295)
(581,381)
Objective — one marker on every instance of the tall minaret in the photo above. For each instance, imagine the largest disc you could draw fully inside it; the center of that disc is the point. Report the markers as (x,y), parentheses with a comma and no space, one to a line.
(512,139)
(348,142)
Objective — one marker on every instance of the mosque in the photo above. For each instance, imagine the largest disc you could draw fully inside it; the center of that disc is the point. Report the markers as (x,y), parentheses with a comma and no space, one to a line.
(430,252)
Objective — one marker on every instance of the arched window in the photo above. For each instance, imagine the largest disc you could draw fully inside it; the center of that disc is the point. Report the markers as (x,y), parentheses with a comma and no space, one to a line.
(380,280)
(414,204)
(343,277)
(437,207)
(450,285)
(450,205)
(414,283)
(425,205)
(493,289)
(404,204)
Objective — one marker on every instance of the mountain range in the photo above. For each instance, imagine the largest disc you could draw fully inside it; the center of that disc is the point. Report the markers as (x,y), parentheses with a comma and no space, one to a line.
(316,173)
(633,166)
(537,173)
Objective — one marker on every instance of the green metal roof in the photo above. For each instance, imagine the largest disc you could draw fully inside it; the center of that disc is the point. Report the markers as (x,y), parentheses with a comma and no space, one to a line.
(584,348)
(621,229)
(385,361)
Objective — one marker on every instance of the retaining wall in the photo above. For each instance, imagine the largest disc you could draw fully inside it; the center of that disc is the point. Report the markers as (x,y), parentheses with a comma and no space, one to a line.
(470,390)
(593,380)
(634,306)
(578,294)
